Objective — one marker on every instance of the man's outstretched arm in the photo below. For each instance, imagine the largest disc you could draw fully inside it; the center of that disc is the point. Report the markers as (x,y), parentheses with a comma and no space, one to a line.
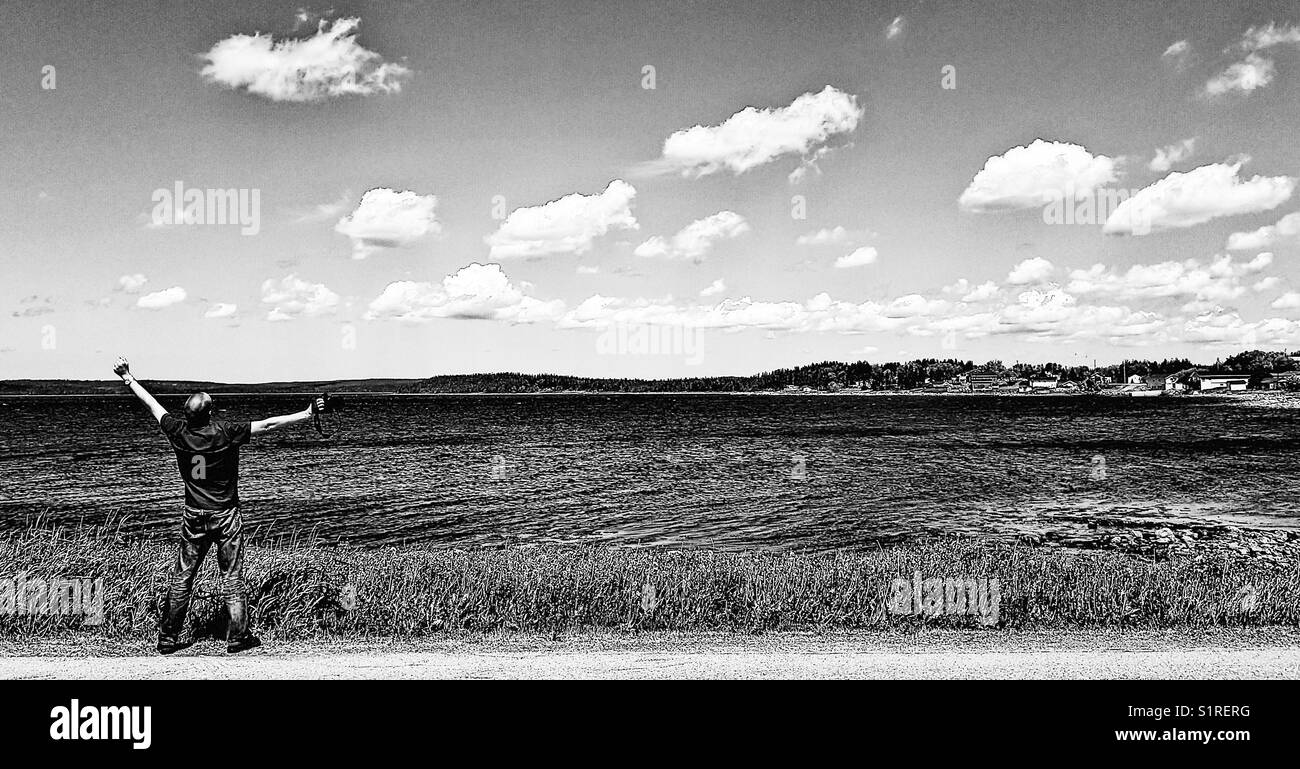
(272,423)
(123,369)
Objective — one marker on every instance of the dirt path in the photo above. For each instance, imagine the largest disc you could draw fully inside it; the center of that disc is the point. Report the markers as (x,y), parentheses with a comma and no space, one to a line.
(1202,655)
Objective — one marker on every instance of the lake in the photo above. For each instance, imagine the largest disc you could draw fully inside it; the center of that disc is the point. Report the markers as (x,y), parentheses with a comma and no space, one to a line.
(721,471)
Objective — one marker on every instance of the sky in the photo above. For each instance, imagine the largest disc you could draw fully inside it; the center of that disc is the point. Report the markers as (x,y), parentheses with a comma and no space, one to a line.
(650,189)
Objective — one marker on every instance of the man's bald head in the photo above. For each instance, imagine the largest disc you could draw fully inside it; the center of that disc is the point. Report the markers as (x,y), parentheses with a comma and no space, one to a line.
(198,410)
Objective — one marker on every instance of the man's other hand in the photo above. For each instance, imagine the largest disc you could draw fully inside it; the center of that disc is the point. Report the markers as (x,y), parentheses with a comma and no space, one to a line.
(121,367)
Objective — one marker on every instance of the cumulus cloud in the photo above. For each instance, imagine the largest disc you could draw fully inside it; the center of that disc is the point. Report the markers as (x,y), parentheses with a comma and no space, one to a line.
(386,218)
(827,236)
(857,258)
(327,64)
(1178,53)
(718,286)
(131,284)
(1253,70)
(821,313)
(1035,270)
(161,299)
(1287,228)
(1169,155)
(697,238)
(1035,175)
(895,28)
(1035,315)
(1195,197)
(221,310)
(754,137)
(477,291)
(913,306)
(292,297)
(1218,326)
(965,291)
(569,225)
(1249,74)
(1217,280)
(1288,301)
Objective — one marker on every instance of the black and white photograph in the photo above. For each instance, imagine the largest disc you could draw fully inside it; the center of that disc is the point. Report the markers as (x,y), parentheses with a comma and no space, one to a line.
(953,341)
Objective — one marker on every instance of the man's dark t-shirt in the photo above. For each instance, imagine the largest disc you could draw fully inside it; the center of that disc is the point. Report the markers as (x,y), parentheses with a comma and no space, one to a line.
(208,458)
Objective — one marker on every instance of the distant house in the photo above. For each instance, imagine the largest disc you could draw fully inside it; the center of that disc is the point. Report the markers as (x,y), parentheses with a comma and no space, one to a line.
(1289,380)
(1232,382)
(983,380)
(1043,382)
(1136,379)
(1180,380)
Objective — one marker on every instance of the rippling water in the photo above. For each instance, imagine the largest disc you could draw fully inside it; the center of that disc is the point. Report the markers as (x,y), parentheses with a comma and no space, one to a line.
(720,471)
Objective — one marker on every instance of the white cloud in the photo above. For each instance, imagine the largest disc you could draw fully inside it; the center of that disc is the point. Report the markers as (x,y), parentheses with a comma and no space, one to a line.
(968,292)
(1268,36)
(1288,301)
(1253,71)
(895,28)
(754,137)
(1177,53)
(809,164)
(386,218)
(1035,270)
(1195,197)
(1218,280)
(293,297)
(569,225)
(323,212)
(913,306)
(1244,76)
(327,64)
(1169,155)
(858,258)
(481,291)
(131,284)
(221,310)
(1036,315)
(1035,175)
(1218,326)
(697,238)
(1288,227)
(837,235)
(718,286)
(588,269)
(161,299)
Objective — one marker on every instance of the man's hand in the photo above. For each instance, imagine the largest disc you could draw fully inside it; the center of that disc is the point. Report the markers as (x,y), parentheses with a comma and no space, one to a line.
(123,369)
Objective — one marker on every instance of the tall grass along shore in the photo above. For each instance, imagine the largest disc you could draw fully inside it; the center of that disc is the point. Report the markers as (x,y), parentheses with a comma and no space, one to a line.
(303,590)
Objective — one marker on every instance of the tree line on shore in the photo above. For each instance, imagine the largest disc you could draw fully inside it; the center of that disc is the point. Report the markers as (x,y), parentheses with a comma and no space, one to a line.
(832,375)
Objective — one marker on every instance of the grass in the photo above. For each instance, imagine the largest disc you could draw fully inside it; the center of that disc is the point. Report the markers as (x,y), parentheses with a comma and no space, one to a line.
(301,590)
